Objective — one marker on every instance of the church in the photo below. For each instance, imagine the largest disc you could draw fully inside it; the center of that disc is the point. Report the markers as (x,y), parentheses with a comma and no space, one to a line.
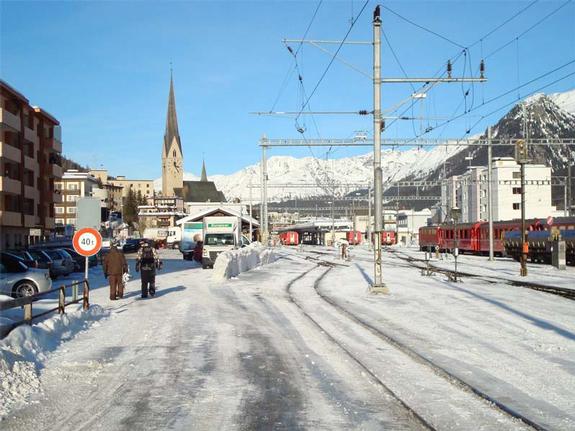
(173,184)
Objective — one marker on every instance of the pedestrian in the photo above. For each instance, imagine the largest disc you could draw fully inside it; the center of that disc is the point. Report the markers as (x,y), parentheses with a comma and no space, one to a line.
(115,266)
(146,263)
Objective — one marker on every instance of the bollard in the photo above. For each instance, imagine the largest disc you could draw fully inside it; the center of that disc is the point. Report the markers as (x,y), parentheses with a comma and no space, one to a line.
(28,313)
(86,295)
(74,291)
(62,299)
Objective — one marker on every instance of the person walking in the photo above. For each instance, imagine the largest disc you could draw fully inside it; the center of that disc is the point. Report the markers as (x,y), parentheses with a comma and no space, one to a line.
(146,263)
(115,266)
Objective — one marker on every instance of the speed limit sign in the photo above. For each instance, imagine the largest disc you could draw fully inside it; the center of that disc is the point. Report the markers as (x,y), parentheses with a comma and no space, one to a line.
(87,241)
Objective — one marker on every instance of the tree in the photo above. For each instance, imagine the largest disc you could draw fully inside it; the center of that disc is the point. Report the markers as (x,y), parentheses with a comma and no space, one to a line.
(131,208)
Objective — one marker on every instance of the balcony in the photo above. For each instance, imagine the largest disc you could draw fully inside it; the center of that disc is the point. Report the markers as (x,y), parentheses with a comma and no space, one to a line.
(10,218)
(10,152)
(54,144)
(11,186)
(30,135)
(30,163)
(11,120)
(55,171)
(30,220)
(31,193)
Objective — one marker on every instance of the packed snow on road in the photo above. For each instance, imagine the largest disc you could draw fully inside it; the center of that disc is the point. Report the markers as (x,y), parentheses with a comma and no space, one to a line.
(291,338)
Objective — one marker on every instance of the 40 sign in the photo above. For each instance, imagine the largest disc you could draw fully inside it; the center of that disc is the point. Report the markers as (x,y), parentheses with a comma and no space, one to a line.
(87,241)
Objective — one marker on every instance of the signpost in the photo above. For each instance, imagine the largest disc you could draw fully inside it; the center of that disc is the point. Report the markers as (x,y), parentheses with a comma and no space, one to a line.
(87,242)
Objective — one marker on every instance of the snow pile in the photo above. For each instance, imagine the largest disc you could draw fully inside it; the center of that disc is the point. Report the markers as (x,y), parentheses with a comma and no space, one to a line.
(24,350)
(233,262)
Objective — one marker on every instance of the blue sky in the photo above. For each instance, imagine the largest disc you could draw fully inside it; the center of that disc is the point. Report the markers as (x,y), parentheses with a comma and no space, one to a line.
(103,68)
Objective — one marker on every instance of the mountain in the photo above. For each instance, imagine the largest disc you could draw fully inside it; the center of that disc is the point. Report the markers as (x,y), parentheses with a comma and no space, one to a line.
(549,116)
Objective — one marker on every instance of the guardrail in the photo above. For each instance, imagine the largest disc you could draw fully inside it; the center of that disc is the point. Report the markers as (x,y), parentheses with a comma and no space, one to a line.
(26,302)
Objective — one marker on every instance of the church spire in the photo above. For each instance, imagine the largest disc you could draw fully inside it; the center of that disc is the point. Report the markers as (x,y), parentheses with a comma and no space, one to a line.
(204,177)
(171,121)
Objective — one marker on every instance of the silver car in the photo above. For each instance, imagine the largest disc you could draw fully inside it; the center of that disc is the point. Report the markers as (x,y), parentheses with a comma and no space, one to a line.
(17,280)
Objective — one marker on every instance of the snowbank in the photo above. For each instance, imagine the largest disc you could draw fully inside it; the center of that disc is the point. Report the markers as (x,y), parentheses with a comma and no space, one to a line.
(232,263)
(24,350)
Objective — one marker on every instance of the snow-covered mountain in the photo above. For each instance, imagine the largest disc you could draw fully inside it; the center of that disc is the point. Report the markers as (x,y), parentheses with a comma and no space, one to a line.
(550,115)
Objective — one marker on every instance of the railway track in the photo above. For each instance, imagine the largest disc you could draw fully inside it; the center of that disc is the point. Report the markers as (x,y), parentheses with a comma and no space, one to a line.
(395,343)
(359,362)
(554,290)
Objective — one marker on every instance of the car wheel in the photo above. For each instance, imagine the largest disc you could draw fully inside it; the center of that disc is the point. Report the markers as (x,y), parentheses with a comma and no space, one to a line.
(25,288)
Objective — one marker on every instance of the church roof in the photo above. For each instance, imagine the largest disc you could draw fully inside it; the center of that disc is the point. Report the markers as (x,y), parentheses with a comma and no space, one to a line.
(200,191)
(171,122)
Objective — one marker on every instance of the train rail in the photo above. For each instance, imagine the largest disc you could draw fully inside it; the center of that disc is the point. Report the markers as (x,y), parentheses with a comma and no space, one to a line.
(359,362)
(414,355)
(554,290)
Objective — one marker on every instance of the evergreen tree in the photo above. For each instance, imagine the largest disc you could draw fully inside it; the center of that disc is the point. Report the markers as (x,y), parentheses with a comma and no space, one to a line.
(131,208)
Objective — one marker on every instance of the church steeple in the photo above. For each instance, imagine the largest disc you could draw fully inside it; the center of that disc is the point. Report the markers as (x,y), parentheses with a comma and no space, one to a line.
(172,156)
(171,121)
(204,177)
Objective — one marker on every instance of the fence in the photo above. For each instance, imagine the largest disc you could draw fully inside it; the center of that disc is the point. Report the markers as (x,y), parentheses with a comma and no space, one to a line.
(26,302)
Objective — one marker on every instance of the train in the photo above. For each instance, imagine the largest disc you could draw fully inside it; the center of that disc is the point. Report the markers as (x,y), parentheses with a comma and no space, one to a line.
(388,237)
(289,238)
(353,237)
(473,238)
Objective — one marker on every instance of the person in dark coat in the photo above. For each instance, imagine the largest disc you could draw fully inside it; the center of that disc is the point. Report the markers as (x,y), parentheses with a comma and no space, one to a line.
(115,266)
(146,263)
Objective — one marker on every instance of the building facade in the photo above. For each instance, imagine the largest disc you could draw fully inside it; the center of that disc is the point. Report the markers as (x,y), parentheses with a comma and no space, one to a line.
(408,224)
(30,158)
(145,187)
(72,186)
(469,192)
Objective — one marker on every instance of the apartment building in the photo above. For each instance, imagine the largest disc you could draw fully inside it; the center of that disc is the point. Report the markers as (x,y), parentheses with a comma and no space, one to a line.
(408,224)
(72,186)
(469,192)
(30,159)
(145,187)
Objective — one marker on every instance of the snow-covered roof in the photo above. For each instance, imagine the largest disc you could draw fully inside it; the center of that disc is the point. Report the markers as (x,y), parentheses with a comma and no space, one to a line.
(200,215)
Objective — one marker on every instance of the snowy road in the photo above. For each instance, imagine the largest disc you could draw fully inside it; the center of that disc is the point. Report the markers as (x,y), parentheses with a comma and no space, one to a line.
(265,351)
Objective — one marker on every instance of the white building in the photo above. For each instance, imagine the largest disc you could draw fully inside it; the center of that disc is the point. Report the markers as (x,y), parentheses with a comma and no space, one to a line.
(388,221)
(469,192)
(73,186)
(408,224)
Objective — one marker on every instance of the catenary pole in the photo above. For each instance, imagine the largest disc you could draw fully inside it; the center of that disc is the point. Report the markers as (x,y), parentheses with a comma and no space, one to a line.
(264,173)
(490,192)
(369,216)
(377,285)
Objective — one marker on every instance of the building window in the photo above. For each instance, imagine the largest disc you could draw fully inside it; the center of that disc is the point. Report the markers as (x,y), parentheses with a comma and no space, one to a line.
(59,221)
(71,198)
(59,210)
(516,175)
(12,203)
(72,221)
(72,186)
(29,178)
(516,190)
(71,210)
(29,206)
(12,170)
(516,206)
(11,106)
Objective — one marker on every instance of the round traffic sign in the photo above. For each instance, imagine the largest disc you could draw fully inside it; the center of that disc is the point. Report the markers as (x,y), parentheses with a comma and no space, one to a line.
(87,241)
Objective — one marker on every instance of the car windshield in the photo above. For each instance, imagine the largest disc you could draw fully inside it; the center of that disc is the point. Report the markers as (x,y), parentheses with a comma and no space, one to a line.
(38,255)
(12,264)
(53,254)
(65,254)
(219,239)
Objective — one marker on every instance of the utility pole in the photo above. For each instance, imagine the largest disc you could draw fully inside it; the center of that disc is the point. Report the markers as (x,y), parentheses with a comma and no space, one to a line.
(369,216)
(377,286)
(570,193)
(251,215)
(490,192)
(264,193)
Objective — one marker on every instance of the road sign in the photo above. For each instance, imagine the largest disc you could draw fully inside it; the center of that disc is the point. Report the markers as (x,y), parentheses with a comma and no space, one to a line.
(88,213)
(87,241)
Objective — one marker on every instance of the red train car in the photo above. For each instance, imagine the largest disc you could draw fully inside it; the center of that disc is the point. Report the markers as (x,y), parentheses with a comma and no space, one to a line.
(289,238)
(353,237)
(388,237)
(464,235)
(429,237)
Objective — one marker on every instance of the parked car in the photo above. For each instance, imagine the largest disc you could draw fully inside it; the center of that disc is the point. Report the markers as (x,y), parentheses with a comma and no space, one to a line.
(63,264)
(132,245)
(42,259)
(79,260)
(17,280)
(26,257)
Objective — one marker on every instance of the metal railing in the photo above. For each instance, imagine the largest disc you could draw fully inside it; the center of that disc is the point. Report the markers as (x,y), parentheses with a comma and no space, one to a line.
(26,302)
